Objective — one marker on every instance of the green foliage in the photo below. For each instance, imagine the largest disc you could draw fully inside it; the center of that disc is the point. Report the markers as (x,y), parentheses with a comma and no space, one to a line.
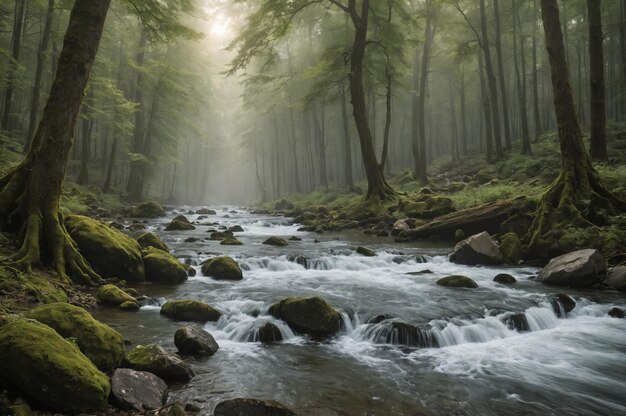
(162,19)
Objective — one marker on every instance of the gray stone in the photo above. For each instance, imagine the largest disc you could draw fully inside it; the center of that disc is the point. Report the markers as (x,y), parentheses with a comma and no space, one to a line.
(477,249)
(617,278)
(582,268)
(193,340)
(252,407)
(137,390)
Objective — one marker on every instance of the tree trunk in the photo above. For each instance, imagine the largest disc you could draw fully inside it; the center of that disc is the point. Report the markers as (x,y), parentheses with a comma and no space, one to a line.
(107,182)
(135,179)
(347,149)
(521,83)
(464,130)
(577,193)
(488,129)
(16,42)
(384,156)
(87,126)
(429,36)
(501,78)
(294,152)
(415,114)
(597,149)
(30,192)
(537,113)
(377,186)
(491,82)
(41,57)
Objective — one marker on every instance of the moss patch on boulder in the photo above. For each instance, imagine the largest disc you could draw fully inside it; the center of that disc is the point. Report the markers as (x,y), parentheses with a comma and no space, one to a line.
(231,241)
(222,267)
(511,248)
(50,369)
(178,225)
(154,359)
(28,290)
(110,252)
(146,240)
(147,209)
(103,345)
(275,241)
(113,296)
(190,310)
(162,267)
(457,281)
(309,315)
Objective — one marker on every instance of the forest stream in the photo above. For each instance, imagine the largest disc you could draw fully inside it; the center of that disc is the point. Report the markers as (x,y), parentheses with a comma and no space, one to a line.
(467,361)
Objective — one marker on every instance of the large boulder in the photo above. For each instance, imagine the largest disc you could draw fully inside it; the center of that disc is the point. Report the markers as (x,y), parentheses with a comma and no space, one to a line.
(146,240)
(110,252)
(222,267)
(231,241)
(162,267)
(269,333)
(50,369)
(364,251)
(178,225)
(504,278)
(137,390)
(251,407)
(189,310)
(205,211)
(617,278)
(112,295)
(582,268)
(147,209)
(312,315)
(154,359)
(457,281)
(275,241)
(193,340)
(426,206)
(103,345)
(477,249)
(511,248)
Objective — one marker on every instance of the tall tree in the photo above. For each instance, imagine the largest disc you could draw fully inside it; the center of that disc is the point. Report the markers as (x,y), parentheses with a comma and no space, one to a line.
(597,149)
(30,192)
(501,77)
(16,44)
(520,78)
(578,192)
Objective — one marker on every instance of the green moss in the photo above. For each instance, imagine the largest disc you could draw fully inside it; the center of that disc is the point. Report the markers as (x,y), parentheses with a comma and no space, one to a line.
(147,209)
(113,296)
(129,306)
(154,359)
(511,248)
(231,241)
(50,369)
(178,225)
(276,241)
(146,240)
(222,267)
(110,252)
(190,310)
(99,342)
(22,290)
(608,240)
(163,267)
(312,315)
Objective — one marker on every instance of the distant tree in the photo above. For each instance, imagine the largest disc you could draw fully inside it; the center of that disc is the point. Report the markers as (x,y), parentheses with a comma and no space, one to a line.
(597,148)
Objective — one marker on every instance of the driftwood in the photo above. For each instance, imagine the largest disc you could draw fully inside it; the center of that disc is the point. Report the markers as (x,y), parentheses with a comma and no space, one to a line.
(487,217)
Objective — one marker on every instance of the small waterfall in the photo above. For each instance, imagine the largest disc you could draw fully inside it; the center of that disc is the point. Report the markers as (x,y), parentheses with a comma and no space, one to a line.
(240,327)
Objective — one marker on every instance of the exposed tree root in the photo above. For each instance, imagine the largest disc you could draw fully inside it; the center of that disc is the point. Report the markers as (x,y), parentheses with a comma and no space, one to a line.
(44,239)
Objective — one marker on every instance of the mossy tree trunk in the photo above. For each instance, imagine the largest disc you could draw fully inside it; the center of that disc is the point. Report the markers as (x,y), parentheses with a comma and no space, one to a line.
(577,193)
(30,193)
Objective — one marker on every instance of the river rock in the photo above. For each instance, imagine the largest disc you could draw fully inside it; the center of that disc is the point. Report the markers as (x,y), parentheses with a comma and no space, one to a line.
(220,235)
(231,241)
(146,240)
(364,251)
(174,409)
(518,322)
(617,313)
(192,340)
(582,268)
(269,333)
(477,249)
(222,268)
(154,359)
(617,278)
(103,345)
(113,296)
(162,267)
(178,225)
(252,407)
(504,278)
(190,310)
(205,211)
(457,281)
(312,315)
(50,369)
(110,252)
(236,229)
(129,306)
(147,209)
(137,390)
(276,241)
(562,303)
(511,248)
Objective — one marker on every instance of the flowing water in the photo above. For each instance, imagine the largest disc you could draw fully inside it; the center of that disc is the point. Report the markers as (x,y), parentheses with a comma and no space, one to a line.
(462,360)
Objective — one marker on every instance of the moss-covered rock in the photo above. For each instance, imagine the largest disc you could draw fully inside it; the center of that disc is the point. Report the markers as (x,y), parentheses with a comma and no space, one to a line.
(312,315)
(457,281)
(231,241)
(129,306)
(146,240)
(50,369)
(220,235)
(205,211)
(177,225)
(222,267)
(28,289)
(103,345)
(426,206)
(162,267)
(113,296)
(275,241)
(504,278)
(364,251)
(190,310)
(154,359)
(110,252)
(147,209)
(511,248)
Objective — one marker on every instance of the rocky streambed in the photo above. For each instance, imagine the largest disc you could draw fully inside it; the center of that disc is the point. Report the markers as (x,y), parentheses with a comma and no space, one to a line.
(392,342)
